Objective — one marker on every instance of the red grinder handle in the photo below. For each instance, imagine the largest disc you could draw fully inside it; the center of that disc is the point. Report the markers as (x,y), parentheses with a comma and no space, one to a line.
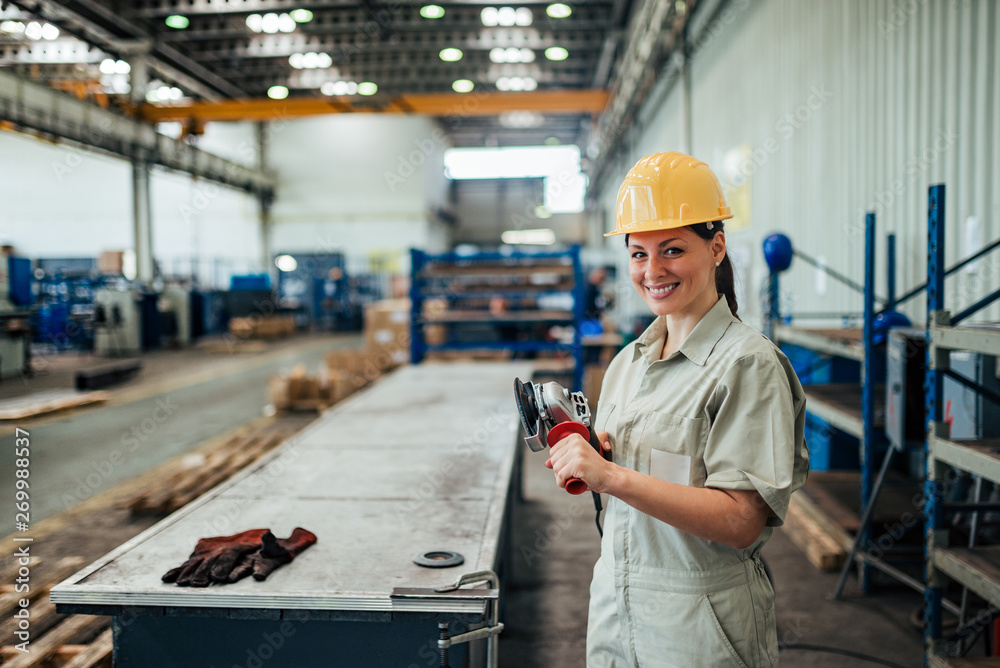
(558,433)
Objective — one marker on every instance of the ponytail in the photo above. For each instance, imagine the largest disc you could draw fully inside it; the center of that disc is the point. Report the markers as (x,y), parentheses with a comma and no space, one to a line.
(725,280)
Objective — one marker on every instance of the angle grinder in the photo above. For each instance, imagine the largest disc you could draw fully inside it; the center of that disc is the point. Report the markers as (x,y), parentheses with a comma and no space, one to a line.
(549,413)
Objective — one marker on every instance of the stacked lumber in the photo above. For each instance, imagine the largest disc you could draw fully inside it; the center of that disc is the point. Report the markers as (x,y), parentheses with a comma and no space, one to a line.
(46,401)
(199,472)
(824,543)
(344,373)
(57,641)
(262,327)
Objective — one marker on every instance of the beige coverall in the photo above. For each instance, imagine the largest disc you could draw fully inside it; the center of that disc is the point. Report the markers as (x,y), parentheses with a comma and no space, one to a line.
(725,411)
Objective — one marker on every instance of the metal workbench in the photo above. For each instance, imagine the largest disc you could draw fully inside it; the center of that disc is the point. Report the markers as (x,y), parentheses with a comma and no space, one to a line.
(420,461)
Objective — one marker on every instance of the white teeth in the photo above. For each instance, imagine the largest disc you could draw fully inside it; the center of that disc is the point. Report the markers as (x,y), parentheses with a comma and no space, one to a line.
(660,291)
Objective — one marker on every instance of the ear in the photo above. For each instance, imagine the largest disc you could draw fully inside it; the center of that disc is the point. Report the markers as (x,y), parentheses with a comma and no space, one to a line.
(718,246)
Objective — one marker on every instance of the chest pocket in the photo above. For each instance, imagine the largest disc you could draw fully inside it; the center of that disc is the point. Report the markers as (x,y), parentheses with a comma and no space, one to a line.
(671,448)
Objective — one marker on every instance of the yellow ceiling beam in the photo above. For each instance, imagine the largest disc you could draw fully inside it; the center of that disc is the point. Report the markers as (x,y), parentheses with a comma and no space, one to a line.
(439,104)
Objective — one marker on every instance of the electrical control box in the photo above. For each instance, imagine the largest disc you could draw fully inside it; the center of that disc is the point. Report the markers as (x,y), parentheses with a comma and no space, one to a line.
(906,364)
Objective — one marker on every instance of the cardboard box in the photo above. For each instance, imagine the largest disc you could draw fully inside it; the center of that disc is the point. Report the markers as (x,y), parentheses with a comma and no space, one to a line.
(262,327)
(387,328)
(111,262)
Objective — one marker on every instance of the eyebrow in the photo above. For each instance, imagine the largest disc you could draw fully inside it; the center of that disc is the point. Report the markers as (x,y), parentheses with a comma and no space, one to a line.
(663,243)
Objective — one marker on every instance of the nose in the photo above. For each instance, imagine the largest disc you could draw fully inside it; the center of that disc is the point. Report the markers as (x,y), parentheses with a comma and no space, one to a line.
(656,268)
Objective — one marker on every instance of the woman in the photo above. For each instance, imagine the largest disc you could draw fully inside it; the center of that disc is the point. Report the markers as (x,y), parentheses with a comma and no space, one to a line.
(704,419)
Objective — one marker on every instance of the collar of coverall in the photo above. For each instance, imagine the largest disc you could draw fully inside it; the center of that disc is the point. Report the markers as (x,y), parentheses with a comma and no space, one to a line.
(700,342)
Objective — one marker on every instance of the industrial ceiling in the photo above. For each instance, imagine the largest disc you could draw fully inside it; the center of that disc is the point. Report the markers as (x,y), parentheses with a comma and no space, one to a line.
(358,55)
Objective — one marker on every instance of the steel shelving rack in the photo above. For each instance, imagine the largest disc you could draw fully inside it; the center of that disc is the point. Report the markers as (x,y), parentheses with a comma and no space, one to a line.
(468,282)
(837,404)
(977,569)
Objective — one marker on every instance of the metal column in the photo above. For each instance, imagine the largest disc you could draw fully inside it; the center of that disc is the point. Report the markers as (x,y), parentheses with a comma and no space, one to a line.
(933,485)
(890,271)
(265,200)
(773,305)
(142,210)
(868,462)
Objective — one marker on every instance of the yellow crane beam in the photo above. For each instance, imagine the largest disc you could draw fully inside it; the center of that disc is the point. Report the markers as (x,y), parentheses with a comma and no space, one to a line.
(590,101)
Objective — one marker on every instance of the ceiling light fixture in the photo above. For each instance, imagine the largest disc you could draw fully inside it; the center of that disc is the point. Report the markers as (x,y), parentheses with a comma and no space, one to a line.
(559,10)
(277,92)
(516,83)
(286,263)
(49,31)
(462,86)
(301,15)
(450,55)
(339,88)
(367,88)
(255,22)
(556,53)
(310,61)
(33,30)
(523,16)
(506,16)
(490,16)
(12,27)
(511,55)
(432,11)
(269,23)
(177,22)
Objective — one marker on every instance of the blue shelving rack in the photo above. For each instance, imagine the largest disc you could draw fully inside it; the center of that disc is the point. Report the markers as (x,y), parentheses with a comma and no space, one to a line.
(975,568)
(467,282)
(832,400)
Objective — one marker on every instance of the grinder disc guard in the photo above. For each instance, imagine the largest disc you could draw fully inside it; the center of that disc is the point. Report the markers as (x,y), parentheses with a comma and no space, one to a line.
(543,406)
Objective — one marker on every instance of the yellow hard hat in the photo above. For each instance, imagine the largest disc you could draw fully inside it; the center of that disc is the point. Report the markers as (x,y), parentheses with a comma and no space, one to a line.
(668,190)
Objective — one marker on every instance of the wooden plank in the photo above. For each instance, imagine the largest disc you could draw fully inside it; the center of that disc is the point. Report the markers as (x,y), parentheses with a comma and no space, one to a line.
(48,644)
(11,565)
(820,549)
(831,506)
(48,401)
(97,653)
(62,570)
(63,654)
(819,518)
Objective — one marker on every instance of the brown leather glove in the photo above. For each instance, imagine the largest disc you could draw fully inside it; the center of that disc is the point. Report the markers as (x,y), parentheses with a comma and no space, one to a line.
(215,558)
(273,554)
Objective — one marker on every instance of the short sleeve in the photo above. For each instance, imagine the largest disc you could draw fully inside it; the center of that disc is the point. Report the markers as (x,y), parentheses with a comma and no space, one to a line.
(756,439)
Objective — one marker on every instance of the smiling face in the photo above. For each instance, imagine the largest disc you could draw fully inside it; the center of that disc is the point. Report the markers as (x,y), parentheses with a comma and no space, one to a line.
(674,270)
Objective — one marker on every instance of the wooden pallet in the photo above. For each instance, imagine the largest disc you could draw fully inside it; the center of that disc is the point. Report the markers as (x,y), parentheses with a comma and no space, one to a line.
(200,472)
(47,402)
(57,641)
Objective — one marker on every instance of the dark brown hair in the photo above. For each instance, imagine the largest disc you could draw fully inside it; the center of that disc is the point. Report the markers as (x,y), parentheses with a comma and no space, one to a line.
(725,281)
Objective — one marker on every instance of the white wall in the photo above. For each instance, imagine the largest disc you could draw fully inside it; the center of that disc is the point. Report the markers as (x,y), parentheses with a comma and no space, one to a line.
(61,201)
(846,107)
(362,184)
(366,185)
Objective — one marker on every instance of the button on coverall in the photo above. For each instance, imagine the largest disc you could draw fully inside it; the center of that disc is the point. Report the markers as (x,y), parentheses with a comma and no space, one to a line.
(725,411)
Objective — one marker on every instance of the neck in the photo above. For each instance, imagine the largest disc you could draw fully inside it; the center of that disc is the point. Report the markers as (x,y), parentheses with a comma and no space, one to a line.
(682,323)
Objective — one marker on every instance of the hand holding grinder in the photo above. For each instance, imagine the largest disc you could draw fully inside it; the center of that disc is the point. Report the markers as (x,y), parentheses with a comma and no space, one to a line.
(550,413)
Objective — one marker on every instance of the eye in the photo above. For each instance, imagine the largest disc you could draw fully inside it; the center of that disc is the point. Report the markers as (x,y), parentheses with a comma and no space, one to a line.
(673,251)
(638,255)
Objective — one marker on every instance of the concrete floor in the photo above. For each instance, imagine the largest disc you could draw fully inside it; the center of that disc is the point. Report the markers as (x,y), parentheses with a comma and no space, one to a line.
(179,400)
